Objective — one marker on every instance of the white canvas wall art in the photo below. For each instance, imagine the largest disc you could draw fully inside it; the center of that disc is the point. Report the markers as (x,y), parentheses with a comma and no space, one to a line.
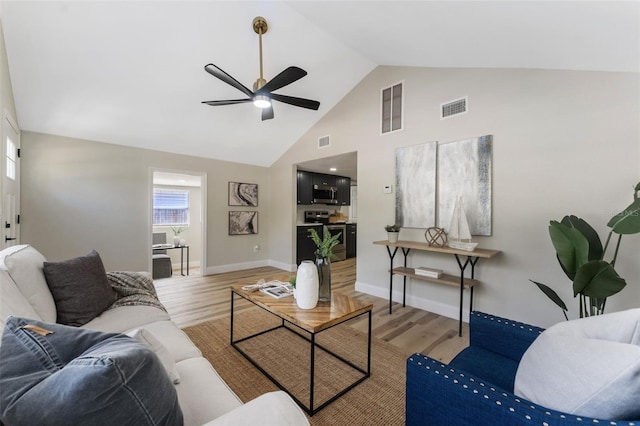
(416,185)
(464,170)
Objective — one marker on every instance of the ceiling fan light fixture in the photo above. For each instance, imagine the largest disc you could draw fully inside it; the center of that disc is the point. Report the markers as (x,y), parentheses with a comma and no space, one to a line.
(262,93)
(262,101)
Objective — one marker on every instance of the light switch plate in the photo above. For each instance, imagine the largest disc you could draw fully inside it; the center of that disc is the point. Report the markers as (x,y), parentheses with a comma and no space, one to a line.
(387,189)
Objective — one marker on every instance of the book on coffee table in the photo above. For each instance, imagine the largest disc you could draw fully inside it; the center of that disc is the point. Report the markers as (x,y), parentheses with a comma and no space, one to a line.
(279,291)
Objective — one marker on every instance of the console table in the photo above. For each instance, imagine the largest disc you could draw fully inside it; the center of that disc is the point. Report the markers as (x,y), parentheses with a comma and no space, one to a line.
(472,258)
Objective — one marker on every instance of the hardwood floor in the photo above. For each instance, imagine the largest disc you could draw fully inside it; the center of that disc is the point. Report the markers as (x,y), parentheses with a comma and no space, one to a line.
(194,299)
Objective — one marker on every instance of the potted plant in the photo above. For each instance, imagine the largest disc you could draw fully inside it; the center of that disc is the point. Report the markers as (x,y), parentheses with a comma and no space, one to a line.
(324,254)
(581,256)
(392,232)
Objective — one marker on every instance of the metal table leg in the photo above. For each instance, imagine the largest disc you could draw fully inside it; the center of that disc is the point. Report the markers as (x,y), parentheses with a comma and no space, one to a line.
(391,256)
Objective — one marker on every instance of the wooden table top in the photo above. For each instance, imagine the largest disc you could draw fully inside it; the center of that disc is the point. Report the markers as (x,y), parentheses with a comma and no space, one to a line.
(478,252)
(324,315)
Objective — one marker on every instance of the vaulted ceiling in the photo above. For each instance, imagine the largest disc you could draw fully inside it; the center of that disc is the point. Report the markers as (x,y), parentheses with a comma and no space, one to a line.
(131,72)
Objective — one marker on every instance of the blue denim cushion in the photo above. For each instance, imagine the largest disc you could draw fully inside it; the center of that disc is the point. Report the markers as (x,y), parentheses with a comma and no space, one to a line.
(51,374)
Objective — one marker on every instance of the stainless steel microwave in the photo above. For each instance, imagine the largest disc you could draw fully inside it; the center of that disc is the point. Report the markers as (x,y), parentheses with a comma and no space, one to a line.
(325,194)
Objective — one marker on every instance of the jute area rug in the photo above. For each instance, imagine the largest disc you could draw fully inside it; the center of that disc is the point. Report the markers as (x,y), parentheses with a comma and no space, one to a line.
(379,400)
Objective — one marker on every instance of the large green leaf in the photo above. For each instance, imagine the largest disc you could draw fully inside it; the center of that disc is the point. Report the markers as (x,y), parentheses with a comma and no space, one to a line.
(571,246)
(598,280)
(595,245)
(551,294)
(326,244)
(628,220)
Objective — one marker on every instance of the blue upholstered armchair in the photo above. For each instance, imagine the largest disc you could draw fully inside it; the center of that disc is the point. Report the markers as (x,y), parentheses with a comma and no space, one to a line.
(476,387)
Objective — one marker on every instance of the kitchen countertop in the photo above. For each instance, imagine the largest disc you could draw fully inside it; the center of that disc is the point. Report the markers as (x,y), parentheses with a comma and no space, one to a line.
(334,223)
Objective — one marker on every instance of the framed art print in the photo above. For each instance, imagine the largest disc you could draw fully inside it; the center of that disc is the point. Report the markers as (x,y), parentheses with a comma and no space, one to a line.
(243,223)
(243,194)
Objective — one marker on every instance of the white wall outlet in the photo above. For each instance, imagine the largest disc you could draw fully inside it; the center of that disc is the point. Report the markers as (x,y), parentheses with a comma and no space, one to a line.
(256,248)
(387,189)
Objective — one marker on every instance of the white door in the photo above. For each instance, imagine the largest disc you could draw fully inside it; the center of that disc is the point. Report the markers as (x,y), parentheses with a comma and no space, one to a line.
(10,201)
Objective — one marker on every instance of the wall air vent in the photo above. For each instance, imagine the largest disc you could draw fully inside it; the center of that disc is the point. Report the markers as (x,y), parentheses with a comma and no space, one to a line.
(324,142)
(453,108)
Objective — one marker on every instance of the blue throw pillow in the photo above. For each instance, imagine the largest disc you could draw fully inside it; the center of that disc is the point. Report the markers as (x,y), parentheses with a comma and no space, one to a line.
(51,374)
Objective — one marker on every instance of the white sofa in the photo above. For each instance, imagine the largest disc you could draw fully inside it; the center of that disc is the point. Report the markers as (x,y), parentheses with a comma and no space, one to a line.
(203,396)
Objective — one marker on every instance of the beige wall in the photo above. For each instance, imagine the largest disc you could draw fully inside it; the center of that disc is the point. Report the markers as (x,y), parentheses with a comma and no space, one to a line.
(79,195)
(564,143)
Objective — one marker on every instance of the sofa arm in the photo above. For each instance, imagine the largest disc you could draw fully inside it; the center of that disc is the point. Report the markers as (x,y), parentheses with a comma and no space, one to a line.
(439,395)
(273,408)
(501,335)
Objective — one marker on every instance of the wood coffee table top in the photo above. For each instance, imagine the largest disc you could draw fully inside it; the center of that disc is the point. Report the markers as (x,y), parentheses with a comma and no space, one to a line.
(324,315)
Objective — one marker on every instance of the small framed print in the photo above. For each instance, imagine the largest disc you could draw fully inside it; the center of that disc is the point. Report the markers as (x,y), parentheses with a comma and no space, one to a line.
(243,194)
(243,223)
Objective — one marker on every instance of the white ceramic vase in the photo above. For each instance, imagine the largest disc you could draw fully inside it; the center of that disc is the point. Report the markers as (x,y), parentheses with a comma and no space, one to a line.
(307,285)
(176,241)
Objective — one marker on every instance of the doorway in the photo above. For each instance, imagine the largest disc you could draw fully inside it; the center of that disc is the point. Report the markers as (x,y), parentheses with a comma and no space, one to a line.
(178,218)
(10,183)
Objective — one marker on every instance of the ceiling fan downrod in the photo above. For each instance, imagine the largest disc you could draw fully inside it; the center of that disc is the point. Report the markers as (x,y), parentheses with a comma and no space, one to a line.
(260,27)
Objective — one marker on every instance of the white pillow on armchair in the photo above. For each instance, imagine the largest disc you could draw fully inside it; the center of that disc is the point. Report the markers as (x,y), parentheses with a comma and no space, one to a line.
(587,367)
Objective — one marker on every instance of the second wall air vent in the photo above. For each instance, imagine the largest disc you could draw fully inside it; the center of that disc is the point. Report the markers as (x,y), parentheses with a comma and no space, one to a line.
(324,142)
(453,108)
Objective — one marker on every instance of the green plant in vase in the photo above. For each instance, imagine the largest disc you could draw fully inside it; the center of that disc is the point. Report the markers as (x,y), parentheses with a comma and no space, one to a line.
(177,230)
(324,254)
(581,256)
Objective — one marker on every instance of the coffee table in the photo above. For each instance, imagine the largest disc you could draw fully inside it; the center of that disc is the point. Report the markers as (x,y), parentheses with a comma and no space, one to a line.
(312,321)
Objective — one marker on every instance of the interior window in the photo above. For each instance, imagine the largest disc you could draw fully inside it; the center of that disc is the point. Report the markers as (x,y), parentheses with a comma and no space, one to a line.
(170,206)
(11,159)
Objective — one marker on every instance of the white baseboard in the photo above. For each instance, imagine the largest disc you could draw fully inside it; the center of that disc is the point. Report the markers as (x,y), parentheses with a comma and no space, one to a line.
(450,311)
(236,267)
(282,265)
(195,264)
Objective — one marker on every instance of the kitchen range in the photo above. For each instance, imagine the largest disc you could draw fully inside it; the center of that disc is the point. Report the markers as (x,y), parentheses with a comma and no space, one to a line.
(323,217)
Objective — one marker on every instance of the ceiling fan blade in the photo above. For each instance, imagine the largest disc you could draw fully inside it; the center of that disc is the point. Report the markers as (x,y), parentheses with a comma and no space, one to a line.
(267,113)
(287,76)
(299,102)
(219,73)
(227,102)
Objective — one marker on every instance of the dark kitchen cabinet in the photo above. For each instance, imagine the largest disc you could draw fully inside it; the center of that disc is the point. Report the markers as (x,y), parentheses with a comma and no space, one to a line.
(305,188)
(352,230)
(305,247)
(306,181)
(324,180)
(344,190)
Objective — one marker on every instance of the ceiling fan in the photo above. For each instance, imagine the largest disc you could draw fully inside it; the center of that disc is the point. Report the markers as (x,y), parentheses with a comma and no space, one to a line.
(262,95)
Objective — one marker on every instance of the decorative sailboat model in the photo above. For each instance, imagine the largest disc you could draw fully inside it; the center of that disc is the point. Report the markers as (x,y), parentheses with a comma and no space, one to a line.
(459,236)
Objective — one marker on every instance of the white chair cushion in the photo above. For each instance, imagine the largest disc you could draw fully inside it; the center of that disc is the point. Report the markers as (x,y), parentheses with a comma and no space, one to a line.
(588,367)
(24,264)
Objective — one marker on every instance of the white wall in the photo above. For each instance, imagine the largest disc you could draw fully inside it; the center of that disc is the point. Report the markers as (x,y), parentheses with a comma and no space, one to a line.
(80,195)
(564,143)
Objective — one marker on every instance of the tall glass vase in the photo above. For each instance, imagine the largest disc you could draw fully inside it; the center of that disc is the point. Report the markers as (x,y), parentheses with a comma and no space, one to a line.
(324,278)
